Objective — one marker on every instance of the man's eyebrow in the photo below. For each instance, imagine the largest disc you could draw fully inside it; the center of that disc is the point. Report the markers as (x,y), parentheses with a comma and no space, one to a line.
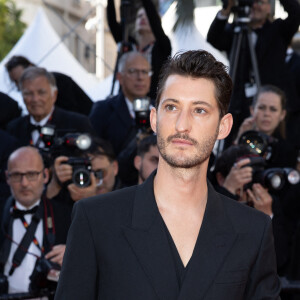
(197,102)
(169,100)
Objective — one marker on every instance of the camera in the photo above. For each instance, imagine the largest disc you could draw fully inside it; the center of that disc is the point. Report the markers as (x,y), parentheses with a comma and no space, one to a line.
(258,143)
(242,9)
(141,107)
(81,171)
(39,278)
(273,178)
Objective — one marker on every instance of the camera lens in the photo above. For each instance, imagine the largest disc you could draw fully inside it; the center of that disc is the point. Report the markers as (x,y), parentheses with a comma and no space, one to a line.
(293,177)
(81,177)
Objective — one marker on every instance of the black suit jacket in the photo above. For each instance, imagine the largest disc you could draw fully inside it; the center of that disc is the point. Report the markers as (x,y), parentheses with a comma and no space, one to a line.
(9,110)
(70,95)
(117,248)
(63,120)
(112,121)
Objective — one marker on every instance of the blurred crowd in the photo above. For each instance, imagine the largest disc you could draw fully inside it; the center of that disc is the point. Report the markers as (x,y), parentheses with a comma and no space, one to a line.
(68,148)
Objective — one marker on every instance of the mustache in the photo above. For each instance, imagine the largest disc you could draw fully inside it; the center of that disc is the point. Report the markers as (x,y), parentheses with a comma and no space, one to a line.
(183,137)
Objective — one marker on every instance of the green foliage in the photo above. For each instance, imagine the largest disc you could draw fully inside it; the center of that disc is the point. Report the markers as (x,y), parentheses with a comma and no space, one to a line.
(11,26)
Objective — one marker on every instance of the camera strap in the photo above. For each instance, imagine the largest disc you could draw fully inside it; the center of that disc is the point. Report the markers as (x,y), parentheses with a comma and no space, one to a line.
(27,239)
(45,208)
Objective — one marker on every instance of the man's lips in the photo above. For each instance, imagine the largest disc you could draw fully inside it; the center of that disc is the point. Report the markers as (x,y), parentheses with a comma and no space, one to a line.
(181,142)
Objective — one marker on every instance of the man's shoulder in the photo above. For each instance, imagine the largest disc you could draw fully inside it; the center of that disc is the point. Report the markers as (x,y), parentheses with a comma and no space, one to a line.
(112,205)
(18,122)
(108,102)
(69,114)
(242,216)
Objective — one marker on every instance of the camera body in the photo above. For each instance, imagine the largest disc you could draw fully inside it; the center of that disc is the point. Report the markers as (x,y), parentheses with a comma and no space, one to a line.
(141,107)
(81,171)
(39,277)
(242,9)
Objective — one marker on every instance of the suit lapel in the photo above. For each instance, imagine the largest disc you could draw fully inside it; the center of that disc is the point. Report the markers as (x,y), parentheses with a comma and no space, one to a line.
(216,237)
(26,137)
(148,240)
(122,110)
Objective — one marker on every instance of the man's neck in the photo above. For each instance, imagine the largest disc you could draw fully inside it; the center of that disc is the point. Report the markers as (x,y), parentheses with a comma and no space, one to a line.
(186,188)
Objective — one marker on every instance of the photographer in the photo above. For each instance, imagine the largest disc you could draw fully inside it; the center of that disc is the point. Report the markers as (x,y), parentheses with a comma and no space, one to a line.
(232,175)
(39,93)
(29,222)
(270,40)
(103,175)
(113,119)
(149,36)
(267,116)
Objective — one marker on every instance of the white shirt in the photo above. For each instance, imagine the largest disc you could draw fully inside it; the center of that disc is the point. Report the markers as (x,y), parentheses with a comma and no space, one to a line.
(19,281)
(35,134)
(130,107)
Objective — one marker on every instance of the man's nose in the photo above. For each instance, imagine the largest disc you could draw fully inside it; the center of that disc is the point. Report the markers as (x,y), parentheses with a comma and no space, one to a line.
(183,122)
(24,180)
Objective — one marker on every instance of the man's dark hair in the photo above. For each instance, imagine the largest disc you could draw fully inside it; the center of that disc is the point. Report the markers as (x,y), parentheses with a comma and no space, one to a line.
(32,73)
(271,89)
(102,147)
(199,64)
(227,159)
(145,144)
(18,60)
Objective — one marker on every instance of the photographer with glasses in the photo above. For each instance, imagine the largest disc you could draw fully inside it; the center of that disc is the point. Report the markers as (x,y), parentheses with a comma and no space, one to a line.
(114,119)
(33,230)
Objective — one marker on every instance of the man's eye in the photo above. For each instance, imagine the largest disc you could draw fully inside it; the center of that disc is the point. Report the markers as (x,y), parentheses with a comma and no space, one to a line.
(200,111)
(170,107)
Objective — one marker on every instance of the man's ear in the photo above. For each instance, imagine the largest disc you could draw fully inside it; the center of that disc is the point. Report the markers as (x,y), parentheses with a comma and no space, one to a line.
(225,126)
(137,162)
(153,116)
(220,179)
(119,77)
(6,176)
(46,175)
(115,167)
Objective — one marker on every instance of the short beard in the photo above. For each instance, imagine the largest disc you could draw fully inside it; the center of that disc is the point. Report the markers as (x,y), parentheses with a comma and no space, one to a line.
(203,150)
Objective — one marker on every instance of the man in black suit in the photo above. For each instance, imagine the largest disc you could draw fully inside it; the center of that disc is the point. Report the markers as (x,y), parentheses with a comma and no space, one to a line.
(27,208)
(39,93)
(174,237)
(270,40)
(113,119)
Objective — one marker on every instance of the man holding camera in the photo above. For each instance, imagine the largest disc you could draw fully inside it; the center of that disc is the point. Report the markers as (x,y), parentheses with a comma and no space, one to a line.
(174,237)
(270,40)
(32,228)
(64,187)
(39,92)
(113,119)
